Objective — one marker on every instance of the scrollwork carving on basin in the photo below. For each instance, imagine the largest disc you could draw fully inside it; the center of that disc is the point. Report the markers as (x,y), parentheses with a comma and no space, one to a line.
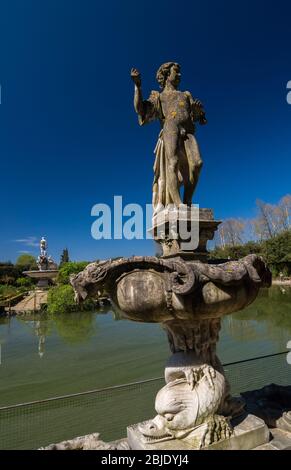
(155,289)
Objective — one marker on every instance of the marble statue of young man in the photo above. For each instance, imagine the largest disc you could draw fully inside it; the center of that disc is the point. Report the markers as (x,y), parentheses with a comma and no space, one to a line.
(43,246)
(178,161)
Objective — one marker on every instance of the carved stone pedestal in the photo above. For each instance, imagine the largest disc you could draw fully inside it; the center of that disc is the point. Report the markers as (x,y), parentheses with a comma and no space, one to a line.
(168,226)
(248,433)
(194,408)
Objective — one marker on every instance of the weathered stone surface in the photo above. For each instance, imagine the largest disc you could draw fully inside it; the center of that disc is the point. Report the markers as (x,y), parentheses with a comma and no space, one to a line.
(187,290)
(178,160)
(187,409)
(89,442)
(250,432)
(199,224)
(247,434)
(279,440)
(32,302)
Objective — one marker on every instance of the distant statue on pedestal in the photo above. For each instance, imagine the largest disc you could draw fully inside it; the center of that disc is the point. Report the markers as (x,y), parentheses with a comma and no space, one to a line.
(44,261)
(47,268)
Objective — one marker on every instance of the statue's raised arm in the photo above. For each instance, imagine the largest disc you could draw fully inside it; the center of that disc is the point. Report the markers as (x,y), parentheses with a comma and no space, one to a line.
(138,100)
(147,110)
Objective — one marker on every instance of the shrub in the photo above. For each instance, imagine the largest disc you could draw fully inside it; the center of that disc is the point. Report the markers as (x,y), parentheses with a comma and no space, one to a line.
(7,291)
(70,268)
(61,300)
(24,282)
(26,262)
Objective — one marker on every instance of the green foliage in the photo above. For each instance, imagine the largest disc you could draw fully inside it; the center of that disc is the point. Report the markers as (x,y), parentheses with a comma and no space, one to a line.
(64,257)
(7,291)
(26,262)
(278,249)
(8,273)
(24,282)
(277,253)
(236,251)
(70,268)
(61,300)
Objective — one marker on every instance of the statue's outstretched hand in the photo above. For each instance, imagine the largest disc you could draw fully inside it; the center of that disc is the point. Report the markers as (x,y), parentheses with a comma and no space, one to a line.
(135,75)
(197,103)
(202,118)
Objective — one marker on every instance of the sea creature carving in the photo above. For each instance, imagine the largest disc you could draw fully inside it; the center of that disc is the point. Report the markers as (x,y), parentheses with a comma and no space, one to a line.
(187,409)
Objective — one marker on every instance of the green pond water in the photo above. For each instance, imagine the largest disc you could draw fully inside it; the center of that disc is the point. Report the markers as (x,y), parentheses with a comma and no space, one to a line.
(43,357)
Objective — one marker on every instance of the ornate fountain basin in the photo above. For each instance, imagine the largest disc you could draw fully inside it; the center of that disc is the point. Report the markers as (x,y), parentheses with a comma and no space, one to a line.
(150,289)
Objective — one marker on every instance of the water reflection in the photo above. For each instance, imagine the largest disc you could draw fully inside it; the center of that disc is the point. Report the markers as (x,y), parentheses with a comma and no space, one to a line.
(75,327)
(41,330)
(4,320)
(272,306)
(40,326)
(269,315)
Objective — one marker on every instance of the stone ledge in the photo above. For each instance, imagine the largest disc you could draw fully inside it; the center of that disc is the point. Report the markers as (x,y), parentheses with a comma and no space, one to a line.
(249,432)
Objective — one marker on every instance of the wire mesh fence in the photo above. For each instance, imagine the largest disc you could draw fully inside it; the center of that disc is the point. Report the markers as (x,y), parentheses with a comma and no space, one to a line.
(109,411)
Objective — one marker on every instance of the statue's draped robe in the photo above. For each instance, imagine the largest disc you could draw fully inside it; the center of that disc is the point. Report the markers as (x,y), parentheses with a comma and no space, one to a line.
(152,111)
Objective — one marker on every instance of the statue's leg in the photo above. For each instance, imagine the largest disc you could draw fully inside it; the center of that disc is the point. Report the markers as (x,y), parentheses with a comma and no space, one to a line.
(189,186)
(170,137)
(184,170)
(195,164)
(188,193)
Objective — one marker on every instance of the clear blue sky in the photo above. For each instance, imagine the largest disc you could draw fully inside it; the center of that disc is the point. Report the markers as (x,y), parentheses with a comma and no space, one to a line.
(69,134)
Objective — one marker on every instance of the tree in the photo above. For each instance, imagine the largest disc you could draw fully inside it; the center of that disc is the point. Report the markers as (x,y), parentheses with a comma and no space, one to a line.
(8,273)
(26,262)
(264,224)
(231,232)
(272,219)
(26,282)
(70,268)
(278,249)
(64,257)
(285,207)
(237,251)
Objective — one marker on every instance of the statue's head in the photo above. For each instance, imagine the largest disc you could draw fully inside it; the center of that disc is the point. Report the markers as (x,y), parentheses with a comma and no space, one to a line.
(169,71)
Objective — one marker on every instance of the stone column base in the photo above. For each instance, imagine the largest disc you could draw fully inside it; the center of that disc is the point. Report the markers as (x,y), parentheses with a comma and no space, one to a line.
(170,224)
(249,432)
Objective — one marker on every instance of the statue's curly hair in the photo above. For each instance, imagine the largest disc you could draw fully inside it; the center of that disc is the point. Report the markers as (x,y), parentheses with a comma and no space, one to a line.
(163,73)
